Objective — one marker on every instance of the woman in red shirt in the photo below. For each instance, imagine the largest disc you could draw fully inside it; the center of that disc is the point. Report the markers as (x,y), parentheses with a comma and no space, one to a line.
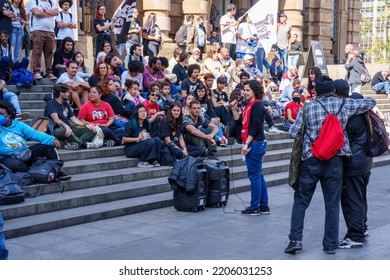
(100,113)
(291,109)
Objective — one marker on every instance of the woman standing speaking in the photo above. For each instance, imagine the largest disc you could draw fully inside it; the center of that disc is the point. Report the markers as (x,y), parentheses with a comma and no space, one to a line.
(254,147)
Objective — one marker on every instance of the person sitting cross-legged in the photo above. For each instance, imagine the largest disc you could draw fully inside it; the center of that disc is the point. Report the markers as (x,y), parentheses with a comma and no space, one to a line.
(199,131)
(67,127)
(137,140)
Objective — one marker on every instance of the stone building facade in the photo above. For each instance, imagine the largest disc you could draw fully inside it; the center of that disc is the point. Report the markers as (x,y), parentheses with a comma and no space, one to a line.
(334,22)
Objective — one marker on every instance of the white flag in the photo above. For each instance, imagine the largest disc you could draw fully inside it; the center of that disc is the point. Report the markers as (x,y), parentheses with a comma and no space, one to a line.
(264,17)
(123,15)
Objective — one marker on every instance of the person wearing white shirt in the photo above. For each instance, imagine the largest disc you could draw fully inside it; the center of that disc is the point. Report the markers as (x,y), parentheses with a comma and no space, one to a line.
(229,26)
(65,21)
(78,86)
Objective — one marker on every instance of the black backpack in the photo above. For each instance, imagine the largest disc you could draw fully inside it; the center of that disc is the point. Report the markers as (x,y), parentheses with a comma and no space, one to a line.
(378,138)
(10,192)
(181,36)
(57,27)
(46,170)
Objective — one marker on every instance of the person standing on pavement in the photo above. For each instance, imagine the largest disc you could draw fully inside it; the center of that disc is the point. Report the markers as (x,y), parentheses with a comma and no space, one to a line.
(283,41)
(255,147)
(229,27)
(312,170)
(357,171)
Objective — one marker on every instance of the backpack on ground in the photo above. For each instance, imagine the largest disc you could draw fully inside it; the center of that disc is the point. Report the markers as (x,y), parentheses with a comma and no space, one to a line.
(181,36)
(45,170)
(42,124)
(365,76)
(331,137)
(10,192)
(21,77)
(57,27)
(378,141)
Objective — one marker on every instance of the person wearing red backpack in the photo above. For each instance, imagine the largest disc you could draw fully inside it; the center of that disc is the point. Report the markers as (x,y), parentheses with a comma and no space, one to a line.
(312,169)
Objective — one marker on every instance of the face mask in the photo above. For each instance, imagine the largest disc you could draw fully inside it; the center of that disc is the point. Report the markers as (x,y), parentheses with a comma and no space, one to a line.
(296,99)
(3,119)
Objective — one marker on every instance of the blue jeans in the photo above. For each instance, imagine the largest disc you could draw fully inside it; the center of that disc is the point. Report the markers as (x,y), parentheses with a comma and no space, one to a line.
(261,61)
(13,99)
(17,42)
(219,133)
(382,86)
(254,164)
(293,60)
(3,250)
(283,56)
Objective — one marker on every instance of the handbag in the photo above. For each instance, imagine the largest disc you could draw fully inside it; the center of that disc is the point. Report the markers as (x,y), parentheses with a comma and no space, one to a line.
(296,153)
(45,170)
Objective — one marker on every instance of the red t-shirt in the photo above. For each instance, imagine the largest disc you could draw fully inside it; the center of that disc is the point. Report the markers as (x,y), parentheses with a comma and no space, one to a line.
(294,109)
(96,114)
(152,109)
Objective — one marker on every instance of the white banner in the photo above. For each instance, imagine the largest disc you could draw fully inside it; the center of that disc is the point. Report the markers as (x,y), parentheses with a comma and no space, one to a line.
(264,17)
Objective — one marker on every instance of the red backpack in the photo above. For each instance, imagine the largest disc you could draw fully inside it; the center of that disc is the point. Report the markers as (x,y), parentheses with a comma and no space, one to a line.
(331,138)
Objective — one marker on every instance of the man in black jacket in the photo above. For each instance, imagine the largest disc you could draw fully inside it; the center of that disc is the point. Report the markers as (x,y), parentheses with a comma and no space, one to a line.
(356,175)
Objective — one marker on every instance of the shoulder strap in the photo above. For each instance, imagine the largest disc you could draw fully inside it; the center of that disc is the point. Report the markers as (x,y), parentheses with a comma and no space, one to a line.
(341,106)
(62,16)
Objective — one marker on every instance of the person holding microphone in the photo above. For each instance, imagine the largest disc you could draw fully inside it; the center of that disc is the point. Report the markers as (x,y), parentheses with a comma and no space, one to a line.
(254,147)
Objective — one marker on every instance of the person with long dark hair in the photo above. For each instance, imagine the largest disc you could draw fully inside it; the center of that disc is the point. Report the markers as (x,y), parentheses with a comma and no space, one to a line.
(314,73)
(82,70)
(103,27)
(255,147)
(99,74)
(137,140)
(171,131)
(100,113)
(106,48)
(151,35)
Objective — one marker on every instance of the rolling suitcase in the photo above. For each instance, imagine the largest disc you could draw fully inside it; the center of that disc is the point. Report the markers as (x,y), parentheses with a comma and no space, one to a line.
(218,183)
(196,200)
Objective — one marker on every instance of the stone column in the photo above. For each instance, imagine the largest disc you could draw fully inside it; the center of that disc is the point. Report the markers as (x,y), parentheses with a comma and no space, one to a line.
(161,8)
(318,25)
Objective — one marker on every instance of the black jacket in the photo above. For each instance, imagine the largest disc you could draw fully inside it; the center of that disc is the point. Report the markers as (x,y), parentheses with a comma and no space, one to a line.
(359,163)
(183,174)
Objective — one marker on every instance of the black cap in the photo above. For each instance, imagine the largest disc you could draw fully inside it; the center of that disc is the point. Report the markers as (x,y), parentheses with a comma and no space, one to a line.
(341,86)
(324,84)
(283,15)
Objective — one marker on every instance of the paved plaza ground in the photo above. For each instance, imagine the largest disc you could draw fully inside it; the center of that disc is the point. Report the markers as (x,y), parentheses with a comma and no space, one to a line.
(213,234)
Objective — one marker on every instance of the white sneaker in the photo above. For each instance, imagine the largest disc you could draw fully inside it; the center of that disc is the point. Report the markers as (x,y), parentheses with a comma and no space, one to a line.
(265,132)
(274,130)
(349,243)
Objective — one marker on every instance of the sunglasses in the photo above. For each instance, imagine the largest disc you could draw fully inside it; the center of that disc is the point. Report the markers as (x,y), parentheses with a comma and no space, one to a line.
(153,94)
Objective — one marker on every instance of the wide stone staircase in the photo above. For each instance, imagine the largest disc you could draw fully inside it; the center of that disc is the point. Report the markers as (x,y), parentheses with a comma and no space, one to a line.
(106,184)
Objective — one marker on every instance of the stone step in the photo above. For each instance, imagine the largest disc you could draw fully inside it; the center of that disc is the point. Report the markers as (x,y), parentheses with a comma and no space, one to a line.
(130,174)
(58,219)
(84,197)
(33,89)
(36,96)
(28,105)
(118,162)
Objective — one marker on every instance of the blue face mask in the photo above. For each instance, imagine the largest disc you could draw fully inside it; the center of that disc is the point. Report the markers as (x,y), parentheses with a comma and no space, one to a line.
(3,119)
